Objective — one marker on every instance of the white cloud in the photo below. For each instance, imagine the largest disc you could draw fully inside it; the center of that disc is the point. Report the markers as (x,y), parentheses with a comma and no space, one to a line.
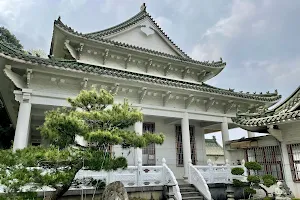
(10,11)
(211,45)
(241,11)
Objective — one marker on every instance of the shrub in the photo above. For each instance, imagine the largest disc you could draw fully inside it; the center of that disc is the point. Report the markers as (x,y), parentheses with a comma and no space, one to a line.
(249,191)
(253,179)
(267,198)
(253,166)
(269,180)
(237,171)
(238,183)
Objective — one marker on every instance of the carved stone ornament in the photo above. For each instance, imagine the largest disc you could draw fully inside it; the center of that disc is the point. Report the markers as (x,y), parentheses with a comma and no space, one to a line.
(280,192)
(147,30)
(115,191)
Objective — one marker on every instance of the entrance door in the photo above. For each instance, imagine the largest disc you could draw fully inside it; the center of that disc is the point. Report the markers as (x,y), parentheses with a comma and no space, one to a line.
(179,147)
(149,151)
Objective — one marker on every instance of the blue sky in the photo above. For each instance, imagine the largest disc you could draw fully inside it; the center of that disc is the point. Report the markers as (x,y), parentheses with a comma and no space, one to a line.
(259,39)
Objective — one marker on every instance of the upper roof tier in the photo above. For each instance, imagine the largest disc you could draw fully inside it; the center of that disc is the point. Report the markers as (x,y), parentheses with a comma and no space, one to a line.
(9,52)
(141,34)
(288,110)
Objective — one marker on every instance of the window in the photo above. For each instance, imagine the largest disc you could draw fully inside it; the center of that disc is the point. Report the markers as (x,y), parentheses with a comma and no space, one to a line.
(179,147)
(149,151)
(269,158)
(294,157)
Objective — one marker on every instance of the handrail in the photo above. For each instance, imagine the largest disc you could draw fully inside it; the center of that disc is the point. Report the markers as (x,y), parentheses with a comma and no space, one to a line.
(195,178)
(170,179)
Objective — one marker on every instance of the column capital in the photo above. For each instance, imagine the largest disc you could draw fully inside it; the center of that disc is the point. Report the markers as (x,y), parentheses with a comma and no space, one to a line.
(225,119)
(23,96)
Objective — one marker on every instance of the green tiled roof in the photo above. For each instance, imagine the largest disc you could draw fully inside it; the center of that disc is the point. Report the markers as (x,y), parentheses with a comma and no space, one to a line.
(132,21)
(98,37)
(213,148)
(288,110)
(10,53)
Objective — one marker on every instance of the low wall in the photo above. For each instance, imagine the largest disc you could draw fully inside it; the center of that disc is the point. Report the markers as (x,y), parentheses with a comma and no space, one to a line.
(218,191)
(151,192)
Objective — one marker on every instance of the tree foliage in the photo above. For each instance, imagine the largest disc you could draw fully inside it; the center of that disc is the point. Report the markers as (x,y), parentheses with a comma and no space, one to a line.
(7,36)
(93,116)
(254,180)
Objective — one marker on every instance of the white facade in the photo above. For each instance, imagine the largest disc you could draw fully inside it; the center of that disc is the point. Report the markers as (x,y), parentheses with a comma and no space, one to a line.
(154,75)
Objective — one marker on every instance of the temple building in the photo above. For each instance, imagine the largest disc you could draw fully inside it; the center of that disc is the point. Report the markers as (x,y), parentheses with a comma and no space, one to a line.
(134,59)
(279,151)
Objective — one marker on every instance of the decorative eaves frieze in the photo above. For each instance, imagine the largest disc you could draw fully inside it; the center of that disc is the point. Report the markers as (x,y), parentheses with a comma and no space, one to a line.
(105,55)
(189,100)
(142,94)
(166,97)
(127,60)
(209,103)
(167,68)
(228,106)
(148,65)
(28,76)
(184,72)
(84,83)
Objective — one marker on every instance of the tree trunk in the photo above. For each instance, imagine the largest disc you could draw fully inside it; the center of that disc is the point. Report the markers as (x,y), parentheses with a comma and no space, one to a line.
(60,191)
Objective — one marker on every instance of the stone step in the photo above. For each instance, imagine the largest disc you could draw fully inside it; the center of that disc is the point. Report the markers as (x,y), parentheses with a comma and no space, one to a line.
(190,194)
(188,189)
(185,185)
(193,198)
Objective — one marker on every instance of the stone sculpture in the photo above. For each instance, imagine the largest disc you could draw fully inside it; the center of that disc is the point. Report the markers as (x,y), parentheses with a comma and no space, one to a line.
(115,191)
(280,192)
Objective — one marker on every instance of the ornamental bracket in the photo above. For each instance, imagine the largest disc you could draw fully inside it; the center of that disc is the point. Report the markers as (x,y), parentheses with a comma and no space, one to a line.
(166,97)
(209,103)
(80,49)
(167,68)
(201,75)
(149,64)
(127,60)
(105,55)
(190,99)
(142,94)
(84,83)
(184,72)
(29,76)
(228,106)
(115,89)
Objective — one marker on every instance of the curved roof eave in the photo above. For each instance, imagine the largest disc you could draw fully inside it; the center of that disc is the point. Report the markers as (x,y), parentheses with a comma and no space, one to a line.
(10,53)
(218,65)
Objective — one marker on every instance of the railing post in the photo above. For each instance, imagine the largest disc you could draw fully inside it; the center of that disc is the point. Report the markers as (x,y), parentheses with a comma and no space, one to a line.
(139,173)
(228,171)
(163,171)
(189,171)
(245,169)
(211,171)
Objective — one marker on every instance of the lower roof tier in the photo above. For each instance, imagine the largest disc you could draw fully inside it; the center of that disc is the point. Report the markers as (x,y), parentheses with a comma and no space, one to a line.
(287,111)
(9,52)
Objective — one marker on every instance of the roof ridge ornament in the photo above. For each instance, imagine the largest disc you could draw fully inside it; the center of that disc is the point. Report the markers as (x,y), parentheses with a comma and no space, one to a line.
(143,7)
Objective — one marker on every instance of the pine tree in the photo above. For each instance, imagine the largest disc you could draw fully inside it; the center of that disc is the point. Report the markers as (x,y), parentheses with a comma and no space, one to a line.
(93,116)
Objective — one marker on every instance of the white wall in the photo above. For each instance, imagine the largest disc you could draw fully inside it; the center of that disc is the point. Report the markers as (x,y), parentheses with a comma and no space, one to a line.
(291,135)
(168,149)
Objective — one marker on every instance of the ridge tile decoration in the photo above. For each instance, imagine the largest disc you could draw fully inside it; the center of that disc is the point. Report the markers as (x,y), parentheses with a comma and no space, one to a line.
(9,52)
(289,110)
(99,37)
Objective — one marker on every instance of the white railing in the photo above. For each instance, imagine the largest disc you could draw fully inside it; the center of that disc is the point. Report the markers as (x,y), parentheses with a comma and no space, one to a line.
(171,180)
(220,174)
(135,176)
(195,178)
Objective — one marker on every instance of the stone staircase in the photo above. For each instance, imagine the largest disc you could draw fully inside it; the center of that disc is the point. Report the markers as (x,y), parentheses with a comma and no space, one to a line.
(189,192)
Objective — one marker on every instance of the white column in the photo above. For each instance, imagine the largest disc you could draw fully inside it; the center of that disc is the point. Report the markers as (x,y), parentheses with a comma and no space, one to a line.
(23,122)
(225,137)
(250,134)
(138,128)
(200,144)
(287,168)
(185,130)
